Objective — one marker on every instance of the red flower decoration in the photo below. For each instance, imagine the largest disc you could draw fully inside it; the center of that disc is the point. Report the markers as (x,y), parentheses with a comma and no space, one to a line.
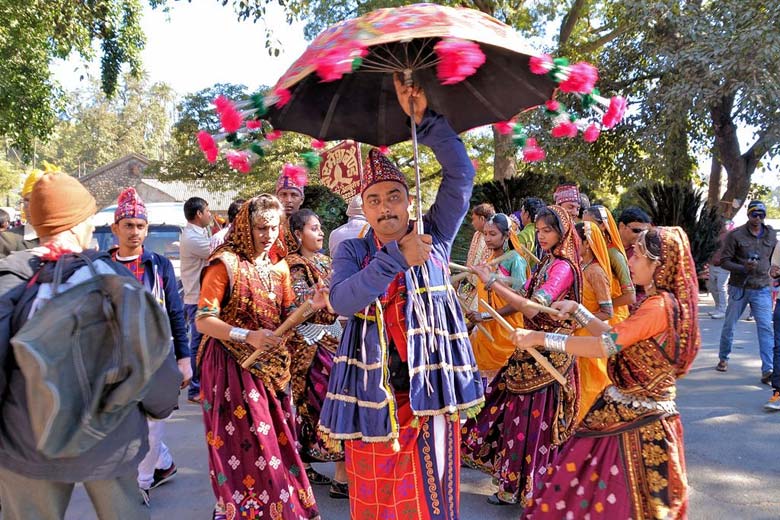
(208,146)
(475,164)
(505,127)
(617,108)
(230,118)
(283,97)
(273,135)
(338,61)
(591,133)
(296,173)
(254,124)
(541,64)
(532,152)
(582,77)
(317,144)
(565,129)
(238,161)
(552,105)
(458,59)
(383,150)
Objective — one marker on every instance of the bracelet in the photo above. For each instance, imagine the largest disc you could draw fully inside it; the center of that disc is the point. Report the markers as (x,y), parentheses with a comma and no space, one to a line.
(486,316)
(583,316)
(238,334)
(608,340)
(555,342)
(491,280)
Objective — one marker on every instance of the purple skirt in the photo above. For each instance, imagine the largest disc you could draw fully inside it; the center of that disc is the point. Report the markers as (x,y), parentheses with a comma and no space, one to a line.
(255,469)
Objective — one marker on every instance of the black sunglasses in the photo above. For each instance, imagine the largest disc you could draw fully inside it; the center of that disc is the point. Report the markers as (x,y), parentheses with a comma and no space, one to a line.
(756,214)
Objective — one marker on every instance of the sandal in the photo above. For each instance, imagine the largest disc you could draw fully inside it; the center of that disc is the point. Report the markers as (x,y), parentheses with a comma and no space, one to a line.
(317,479)
(338,490)
(496,500)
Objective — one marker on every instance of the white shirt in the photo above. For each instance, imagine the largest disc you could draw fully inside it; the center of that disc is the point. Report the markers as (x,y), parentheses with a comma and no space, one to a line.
(356,227)
(218,238)
(194,253)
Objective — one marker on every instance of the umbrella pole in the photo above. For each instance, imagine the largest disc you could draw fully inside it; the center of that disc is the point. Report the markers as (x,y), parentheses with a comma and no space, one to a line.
(418,194)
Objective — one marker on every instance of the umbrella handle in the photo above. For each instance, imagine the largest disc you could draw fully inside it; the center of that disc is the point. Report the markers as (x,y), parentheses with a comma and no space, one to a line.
(418,202)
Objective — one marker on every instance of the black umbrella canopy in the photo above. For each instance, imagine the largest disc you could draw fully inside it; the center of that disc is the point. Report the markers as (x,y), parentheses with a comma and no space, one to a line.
(362,105)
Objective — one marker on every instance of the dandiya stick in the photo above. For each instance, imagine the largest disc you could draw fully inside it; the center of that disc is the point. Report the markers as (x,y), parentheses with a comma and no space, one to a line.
(479,326)
(300,315)
(534,353)
(460,276)
(530,253)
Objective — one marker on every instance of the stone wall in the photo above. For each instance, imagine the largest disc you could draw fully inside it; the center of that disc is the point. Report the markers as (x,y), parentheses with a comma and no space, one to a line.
(107,182)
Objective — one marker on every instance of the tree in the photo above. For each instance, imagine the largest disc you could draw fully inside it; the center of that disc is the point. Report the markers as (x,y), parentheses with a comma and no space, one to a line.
(95,130)
(10,178)
(34,32)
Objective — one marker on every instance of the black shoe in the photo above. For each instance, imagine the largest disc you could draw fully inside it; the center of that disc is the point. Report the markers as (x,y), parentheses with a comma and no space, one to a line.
(161,476)
(766,378)
(722,365)
(338,490)
(317,479)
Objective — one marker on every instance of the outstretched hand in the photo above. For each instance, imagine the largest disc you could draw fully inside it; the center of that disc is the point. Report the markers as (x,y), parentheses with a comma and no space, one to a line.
(321,297)
(406,94)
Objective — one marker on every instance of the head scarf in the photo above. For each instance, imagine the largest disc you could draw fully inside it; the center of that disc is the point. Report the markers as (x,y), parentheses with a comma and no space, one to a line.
(379,168)
(677,275)
(129,205)
(568,247)
(566,193)
(239,239)
(606,218)
(598,245)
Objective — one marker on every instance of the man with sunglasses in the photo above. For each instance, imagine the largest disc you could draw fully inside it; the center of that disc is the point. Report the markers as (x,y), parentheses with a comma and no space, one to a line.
(746,255)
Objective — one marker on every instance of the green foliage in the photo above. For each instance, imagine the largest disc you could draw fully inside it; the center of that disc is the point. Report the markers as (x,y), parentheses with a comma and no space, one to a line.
(681,205)
(10,179)
(507,196)
(34,32)
(95,130)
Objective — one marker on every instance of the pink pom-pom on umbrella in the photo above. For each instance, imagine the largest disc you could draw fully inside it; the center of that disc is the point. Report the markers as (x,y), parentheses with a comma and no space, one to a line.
(541,64)
(296,173)
(475,164)
(338,61)
(615,112)
(283,97)
(532,152)
(458,59)
(273,135)
(221,102)
(384,149)
(552,105)
(505,127)
(238,161)
(582,77)
(317,144)
(591,133)
(565,129)
(208,146)
(254,124)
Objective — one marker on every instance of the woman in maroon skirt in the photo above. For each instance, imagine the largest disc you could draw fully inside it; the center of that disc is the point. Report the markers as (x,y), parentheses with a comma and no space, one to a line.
(255,468)
(626,459)
(527,413)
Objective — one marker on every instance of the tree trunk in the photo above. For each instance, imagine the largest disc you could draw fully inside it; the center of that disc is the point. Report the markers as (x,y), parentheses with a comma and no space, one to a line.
(713,195)
(739,167)
(504,166)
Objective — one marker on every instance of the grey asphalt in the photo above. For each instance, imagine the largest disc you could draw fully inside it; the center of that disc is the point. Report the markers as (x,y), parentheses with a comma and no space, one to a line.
(732,448)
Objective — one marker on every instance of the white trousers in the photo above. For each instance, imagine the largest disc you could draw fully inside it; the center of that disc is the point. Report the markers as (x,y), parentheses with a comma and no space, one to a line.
(159,457)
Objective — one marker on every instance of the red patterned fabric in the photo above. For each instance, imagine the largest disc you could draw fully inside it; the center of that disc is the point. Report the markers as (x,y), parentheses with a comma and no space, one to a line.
(379,168)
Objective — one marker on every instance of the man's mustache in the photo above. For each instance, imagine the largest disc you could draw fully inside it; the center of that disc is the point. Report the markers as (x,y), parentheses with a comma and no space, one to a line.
(387,217)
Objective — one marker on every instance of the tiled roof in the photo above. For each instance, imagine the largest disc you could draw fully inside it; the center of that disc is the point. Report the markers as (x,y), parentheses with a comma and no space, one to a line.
(183,190)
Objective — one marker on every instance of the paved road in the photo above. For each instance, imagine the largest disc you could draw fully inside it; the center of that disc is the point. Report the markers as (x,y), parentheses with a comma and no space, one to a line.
(732,448)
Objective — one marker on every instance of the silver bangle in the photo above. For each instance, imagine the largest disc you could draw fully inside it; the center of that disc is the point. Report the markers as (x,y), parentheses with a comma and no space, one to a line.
(610,346)
(555,342)
(239,335)
(583,316)
(486,316)
(491,280)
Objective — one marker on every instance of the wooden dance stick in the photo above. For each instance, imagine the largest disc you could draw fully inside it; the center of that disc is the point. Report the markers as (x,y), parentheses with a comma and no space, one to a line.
(460,276)
(534,353)
(541,308)
(479,326)
(530,253)
(458,267)
(300,315)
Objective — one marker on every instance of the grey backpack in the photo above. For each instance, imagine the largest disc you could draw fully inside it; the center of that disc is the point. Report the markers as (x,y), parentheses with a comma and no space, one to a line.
(87,356)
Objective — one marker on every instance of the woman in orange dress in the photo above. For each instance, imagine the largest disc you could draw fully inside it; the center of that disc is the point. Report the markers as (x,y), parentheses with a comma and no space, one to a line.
(632,437)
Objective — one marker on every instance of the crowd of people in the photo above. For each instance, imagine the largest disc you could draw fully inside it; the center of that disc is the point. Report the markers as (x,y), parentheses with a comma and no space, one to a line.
(550,363)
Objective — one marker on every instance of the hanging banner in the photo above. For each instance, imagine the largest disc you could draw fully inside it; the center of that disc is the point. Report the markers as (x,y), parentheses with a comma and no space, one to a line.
(341,169)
